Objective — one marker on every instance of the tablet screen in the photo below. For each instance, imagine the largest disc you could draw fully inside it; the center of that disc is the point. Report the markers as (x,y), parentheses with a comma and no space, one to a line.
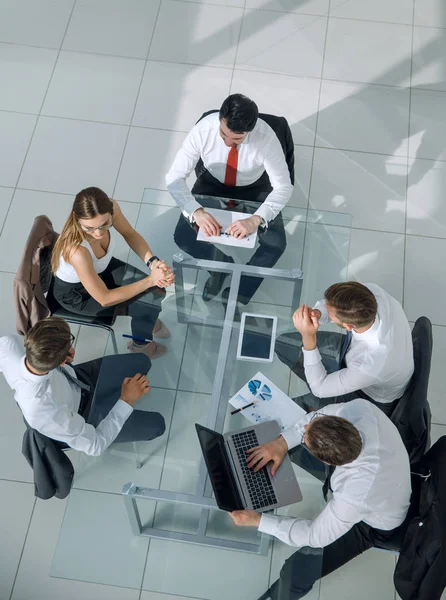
(257,337)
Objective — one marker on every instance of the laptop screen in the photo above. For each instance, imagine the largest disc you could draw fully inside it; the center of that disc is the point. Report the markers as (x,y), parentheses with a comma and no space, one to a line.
(220,473)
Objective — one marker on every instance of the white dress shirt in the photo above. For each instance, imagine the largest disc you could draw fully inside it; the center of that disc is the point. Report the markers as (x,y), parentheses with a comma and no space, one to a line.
(260,151)
(50,403)
(374,488)
(379,361)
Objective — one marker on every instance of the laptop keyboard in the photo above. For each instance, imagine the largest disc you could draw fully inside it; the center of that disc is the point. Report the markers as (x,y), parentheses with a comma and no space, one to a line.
(260,490)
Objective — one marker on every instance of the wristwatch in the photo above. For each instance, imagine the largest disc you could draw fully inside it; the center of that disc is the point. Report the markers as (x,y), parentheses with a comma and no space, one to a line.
(151,260)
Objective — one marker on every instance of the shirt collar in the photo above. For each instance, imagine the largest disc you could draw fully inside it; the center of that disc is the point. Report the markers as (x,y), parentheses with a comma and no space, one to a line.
(26,374)
(370,334)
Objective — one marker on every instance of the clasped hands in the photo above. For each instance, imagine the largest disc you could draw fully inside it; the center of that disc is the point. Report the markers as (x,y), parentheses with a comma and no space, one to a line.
(260,456)
(306,321)
(239,229)
(161,274)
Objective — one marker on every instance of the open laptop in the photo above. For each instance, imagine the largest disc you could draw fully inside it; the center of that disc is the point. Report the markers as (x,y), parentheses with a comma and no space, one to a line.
(237,487)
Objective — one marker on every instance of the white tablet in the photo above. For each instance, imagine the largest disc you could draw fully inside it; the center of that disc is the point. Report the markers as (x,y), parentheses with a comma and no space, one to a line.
(257,338)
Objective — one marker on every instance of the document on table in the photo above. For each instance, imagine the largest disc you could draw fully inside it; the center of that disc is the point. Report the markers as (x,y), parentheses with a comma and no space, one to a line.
(271,404)
(226,218)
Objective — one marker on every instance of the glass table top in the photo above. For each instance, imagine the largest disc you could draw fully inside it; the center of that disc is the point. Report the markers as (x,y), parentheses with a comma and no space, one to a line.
(96,542)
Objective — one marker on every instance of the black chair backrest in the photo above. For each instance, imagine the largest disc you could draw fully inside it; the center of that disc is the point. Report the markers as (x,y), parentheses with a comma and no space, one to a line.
(412,415)
(280,127)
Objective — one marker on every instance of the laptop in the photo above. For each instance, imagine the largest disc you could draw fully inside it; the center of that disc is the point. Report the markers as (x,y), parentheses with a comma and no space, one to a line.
(237,487)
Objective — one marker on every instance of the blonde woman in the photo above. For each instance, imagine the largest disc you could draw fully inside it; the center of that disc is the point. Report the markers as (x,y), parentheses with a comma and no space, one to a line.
(88,278)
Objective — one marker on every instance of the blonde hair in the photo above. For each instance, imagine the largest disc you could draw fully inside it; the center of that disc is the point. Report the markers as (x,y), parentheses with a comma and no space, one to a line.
(88,203)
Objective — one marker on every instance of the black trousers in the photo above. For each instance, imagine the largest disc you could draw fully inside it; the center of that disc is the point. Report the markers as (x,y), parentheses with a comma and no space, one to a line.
(272,241)
(143,309)
(108,374)
(289,349)
(300,572)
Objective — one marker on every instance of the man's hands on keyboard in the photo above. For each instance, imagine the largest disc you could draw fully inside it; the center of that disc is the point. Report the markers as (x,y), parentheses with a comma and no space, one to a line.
(273,451)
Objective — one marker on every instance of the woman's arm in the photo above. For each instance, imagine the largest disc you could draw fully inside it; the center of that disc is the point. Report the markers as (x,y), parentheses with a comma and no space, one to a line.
(136,242)
(83,265)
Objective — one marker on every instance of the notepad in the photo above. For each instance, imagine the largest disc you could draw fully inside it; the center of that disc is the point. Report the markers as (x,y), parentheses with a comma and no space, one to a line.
(226,218)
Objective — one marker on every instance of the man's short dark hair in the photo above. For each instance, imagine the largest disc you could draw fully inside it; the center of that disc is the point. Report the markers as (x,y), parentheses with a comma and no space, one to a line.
(333,440)
(47,344)
(240,113)
(353,302)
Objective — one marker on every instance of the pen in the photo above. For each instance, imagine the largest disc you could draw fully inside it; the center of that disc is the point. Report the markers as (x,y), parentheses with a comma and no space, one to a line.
(136,338)
(242,408)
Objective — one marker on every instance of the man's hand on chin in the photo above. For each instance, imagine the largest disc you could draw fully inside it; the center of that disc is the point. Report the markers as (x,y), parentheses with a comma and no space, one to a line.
(245,518)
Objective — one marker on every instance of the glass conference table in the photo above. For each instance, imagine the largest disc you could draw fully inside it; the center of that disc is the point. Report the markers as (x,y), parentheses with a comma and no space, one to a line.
(133,513)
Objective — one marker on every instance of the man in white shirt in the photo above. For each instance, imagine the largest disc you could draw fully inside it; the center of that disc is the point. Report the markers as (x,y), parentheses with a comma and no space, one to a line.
(237,155)
(374,360)
(55,397)
(369,478)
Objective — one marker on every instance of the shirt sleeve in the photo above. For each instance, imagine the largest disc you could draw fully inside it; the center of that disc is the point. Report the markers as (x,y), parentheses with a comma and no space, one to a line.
(324,385)
(333,522)
(279,176)
(71,428)
(320,305)
(184,162)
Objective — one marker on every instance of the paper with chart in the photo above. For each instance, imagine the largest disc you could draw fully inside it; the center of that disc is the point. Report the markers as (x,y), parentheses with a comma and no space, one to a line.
(271,404)
(226,218)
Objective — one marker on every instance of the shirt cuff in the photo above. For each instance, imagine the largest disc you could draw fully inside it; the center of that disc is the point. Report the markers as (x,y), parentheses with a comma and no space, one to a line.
(191,206)
(269,523)
(264,212)
(293,437)
(123,409)
(311,357)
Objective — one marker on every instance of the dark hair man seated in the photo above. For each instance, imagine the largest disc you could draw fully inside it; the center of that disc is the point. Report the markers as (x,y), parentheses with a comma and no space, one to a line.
(237,155)
(374,360)
(369,477)
(55,396)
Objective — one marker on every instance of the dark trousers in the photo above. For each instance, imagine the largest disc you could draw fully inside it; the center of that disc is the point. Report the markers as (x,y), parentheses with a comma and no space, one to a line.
(143,309)
(289,349)
(272,241)
(307,565)
(108,374)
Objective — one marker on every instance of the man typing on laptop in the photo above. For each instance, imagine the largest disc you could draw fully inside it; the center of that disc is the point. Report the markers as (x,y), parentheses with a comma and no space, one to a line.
(369,476)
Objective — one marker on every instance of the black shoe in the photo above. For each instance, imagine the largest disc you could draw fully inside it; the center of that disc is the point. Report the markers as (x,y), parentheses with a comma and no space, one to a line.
(213,285)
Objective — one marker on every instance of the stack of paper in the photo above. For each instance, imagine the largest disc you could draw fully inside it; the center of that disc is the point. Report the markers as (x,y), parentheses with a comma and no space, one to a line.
(226,218)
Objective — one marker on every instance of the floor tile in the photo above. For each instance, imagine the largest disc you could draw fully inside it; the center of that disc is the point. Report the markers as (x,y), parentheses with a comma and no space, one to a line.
(374,43)
(309,7)
(378,257)
(398,11)
(424,278)
(34,580)
(5,200)
(429,62)
(13,529)
(303,162)
(370,187)
(436,380)
(25,207)
(94,87)
(7,314)
(112,27)
(430,12)
(193,570)
(427,124)
(15,134)
(90,550)
(171,95)
(147,158)
(200,34)
(58,144)
(368,577)
(367,118)
(13,465)
(295,98)
(426,213)
(24,76)
(295,43)
(117,465)
(156,596)
(41,23)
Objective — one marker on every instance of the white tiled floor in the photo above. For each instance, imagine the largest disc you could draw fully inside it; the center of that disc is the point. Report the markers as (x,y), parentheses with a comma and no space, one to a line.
(102,92)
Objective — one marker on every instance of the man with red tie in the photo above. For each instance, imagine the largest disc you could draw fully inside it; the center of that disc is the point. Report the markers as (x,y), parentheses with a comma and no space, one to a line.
(239,155)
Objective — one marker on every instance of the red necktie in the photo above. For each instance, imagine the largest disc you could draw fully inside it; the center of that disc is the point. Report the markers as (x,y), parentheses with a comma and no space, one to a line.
(231,166)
